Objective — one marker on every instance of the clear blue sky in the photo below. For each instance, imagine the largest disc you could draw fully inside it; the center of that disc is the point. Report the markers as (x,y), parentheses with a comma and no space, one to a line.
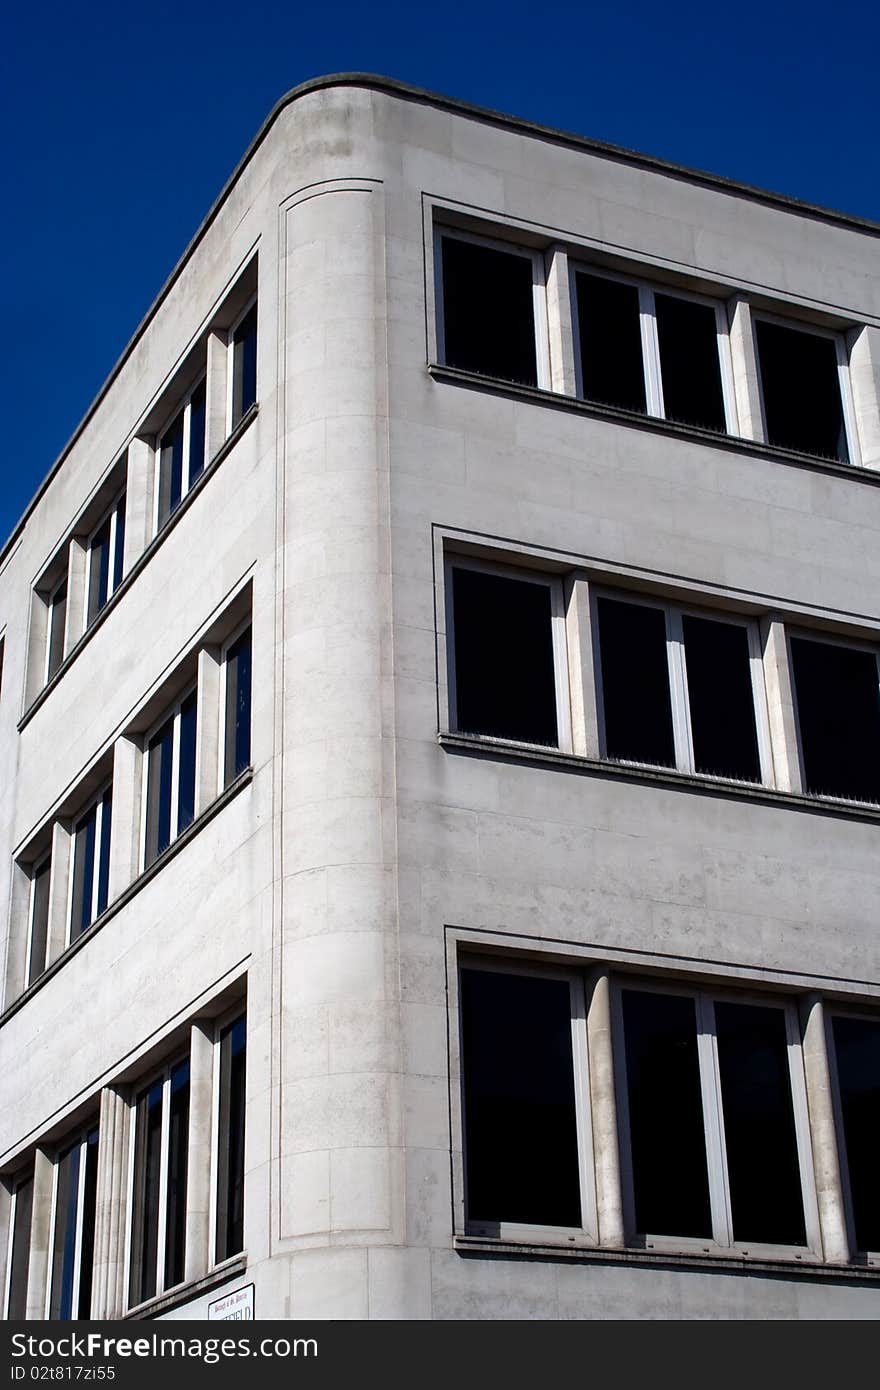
(122,122)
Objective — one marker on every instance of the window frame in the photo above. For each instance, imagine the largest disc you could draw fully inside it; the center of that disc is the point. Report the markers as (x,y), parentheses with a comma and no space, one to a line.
(111,513)
(80,1141)
(230,364)
(829,639)
(221,1023)
(650,344)
(228,644)
(51,601)
(539,296)
(183,407)
(561,665)
(847,403)
(96,801)
(33,870)
(18,1181)
(676,663)
(171,712)
(722,1240)
(833,1010)
(139,1089)
(586,1235)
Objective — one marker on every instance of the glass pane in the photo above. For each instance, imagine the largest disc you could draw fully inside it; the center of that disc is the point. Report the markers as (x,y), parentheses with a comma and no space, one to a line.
(488,311)
(521,1143)
(689,365)
(230,1141)
(64,1240)
(609,328)
(196,433)
(635,683)
(87,1243)
(159,783)
(178,1136)
(39,920)
(857,1047)
(801,388)
(762,1161)
(238,707)
(99,570)
(104,852)
(244,366)
(145,1212)
(838,710)
(83,873)
(171,469)
(21,1248)
(57,623)
(119,544)
(186,783)
(722,705)
(667,1136)
(505,679)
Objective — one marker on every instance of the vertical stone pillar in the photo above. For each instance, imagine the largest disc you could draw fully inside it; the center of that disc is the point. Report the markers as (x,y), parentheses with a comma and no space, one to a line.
(864,375)
(5,1223)
(108,1293)
(208,725)
(823,1132)
(563,377)
(125,837)
(215,392)
(780,705)
(198,1188)
(581,672)
(746,378)
(603,1097)
(38,636)
(41,1236)
(17,950)
(139,500)
(77,565)
(59,890)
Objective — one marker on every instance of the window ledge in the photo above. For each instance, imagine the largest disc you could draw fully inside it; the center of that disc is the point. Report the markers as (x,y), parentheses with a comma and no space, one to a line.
(791,1267)
(183,1293)
(243,780)
(653,423)
(140,563)
(666,776)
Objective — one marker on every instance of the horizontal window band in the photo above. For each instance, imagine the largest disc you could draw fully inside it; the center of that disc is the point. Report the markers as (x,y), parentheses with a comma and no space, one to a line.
(228,794)
(483,746)
(140,563)
(791,1268)
(653,423)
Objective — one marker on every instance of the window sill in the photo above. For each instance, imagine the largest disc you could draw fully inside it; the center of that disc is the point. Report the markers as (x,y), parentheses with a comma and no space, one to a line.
(140,563)
(791,1267)
(665,776)
(228,794)
(184,1293)
(653,423)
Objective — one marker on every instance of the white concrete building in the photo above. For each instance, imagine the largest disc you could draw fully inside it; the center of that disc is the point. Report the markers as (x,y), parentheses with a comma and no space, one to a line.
(440,751)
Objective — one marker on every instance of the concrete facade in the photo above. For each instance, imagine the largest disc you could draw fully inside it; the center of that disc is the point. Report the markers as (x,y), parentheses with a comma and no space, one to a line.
(339,882)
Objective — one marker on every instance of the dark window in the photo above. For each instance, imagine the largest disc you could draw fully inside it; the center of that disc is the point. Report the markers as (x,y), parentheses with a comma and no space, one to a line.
(722,706)
(145,1214)
(186,786)
(88,1214)
(667,1141)
(230,1141)
(171,768)
(65,1238)
(105,559)
(838,711)
(57,627)
(505,683)
(521,1144)
(39,919)
(91,864)
(171,468)
(238,707)
(609,329)
(178,1146)
(857,1049)
(636,706)
(244,366)
(488,311)
(690,369)
(21,1249)
(196,433)
(762,1161)
(801,388)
